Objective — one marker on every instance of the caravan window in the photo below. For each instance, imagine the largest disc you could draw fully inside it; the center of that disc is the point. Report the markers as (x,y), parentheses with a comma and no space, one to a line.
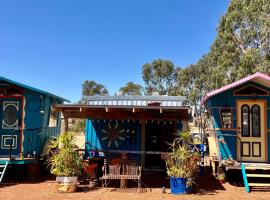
(226,118)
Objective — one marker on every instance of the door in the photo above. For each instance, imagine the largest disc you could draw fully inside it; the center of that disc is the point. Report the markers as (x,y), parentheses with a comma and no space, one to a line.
(10,119)
(153,142)
(251,118)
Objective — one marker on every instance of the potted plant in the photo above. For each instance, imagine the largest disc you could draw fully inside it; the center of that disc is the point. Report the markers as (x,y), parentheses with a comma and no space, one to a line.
(65,162)
(181,163)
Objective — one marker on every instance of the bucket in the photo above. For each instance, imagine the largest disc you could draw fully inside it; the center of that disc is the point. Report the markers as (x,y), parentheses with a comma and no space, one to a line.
(178,185)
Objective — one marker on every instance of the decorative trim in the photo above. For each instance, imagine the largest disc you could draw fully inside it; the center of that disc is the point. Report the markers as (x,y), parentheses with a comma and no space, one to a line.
(267,93)
(22,104)
(5,138)
(260,150)
(5,105)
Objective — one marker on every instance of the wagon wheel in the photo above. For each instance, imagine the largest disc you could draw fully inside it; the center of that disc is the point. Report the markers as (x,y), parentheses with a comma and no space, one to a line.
(114,134)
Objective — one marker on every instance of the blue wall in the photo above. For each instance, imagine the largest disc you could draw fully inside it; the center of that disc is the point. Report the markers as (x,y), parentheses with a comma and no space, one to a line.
(37,113)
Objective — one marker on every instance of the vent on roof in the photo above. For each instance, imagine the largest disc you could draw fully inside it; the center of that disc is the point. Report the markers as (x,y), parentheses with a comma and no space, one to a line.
(154,104)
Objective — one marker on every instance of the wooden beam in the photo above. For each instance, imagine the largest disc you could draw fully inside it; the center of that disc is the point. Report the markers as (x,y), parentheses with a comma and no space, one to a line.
(127,115)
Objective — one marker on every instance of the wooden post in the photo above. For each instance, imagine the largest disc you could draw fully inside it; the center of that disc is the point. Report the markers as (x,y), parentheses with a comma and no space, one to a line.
(66,124)
(143,143)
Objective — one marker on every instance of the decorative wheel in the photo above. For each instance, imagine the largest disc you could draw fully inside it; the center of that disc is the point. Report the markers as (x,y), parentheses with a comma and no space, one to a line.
(114,134)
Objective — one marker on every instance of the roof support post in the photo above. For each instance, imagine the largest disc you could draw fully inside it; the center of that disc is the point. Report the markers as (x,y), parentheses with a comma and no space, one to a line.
(66,124)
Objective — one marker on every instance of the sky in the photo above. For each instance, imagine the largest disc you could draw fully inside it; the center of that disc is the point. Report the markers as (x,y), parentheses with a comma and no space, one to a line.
(55,45)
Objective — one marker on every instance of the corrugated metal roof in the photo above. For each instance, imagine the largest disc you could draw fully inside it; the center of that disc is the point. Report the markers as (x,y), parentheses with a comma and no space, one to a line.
(31,88)
(140,101)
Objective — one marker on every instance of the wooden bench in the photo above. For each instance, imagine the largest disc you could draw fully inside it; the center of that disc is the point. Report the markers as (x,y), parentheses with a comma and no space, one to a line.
(121,172)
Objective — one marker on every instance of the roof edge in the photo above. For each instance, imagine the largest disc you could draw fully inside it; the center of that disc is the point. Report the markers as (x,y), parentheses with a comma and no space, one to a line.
(32,88)
(233,85)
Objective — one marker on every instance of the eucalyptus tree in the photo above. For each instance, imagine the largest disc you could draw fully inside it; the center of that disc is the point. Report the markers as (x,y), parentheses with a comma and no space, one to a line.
(159,76)
(131,89)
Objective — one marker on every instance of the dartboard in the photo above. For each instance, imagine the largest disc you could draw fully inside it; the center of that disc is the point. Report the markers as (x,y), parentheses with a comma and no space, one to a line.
(114,134)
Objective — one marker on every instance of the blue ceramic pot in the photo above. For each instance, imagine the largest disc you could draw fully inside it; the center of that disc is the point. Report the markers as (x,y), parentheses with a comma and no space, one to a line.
(178,185)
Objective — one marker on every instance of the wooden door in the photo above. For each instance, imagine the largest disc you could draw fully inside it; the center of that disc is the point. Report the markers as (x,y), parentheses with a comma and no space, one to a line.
(10,119)
(251,123)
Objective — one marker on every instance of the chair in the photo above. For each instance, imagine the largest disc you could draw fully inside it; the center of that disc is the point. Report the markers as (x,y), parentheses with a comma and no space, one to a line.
(109,173)
(133,172)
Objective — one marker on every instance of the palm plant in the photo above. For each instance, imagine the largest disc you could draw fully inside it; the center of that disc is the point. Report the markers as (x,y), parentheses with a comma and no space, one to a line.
(182,161)
(65,159)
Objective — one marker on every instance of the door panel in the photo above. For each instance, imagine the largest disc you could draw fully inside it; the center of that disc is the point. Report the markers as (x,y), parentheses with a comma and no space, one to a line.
(251,125)
(10,119)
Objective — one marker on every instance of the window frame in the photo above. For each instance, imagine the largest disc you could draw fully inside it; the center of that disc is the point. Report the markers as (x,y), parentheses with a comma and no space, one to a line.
(228,110)
(252,121)
(248,120)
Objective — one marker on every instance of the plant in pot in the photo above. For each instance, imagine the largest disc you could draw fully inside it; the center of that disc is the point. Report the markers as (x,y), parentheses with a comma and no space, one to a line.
(181,164)
(65,162)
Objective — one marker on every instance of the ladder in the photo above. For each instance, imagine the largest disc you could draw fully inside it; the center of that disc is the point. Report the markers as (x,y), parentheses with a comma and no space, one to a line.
(223,147)
(3,169)
(252,173)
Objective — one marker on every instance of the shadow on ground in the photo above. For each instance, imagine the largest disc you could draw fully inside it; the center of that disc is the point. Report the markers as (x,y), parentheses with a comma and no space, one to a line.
(207,185)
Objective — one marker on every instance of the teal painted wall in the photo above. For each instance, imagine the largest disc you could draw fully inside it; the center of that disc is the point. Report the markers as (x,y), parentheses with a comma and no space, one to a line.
(37,112)
(95,133)
(227,99)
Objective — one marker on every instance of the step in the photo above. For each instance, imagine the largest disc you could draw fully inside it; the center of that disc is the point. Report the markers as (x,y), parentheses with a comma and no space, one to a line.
(259,175)
(257,167)
(259,184)
(2,166)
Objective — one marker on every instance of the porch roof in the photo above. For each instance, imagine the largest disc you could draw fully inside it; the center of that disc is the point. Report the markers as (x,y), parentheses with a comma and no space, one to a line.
(119,112)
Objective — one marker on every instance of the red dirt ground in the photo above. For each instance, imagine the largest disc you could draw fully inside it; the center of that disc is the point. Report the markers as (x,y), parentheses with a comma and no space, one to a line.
(44,189)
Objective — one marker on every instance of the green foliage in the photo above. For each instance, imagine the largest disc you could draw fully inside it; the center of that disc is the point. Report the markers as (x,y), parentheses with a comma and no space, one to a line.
(181,162)
(159,76)
(91,88)
(131,89)
(241,48)
(65,159)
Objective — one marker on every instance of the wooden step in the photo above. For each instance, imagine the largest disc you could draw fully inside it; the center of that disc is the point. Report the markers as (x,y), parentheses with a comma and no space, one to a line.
(259,184)
(259,175)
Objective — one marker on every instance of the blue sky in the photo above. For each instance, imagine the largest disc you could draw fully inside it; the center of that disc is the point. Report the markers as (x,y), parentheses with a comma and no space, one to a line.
(55,45)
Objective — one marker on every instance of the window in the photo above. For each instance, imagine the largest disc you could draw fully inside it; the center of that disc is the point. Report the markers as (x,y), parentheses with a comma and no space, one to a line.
(256,120)
(52,122)
(245,119)
(226,118)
